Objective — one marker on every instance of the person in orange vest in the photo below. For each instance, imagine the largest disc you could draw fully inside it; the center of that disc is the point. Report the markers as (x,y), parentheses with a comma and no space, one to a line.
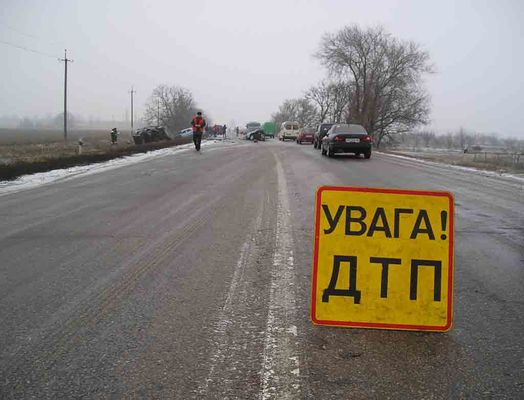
(198,123)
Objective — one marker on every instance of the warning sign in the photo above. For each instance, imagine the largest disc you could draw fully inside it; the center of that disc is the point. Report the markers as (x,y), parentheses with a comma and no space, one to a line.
(383,259)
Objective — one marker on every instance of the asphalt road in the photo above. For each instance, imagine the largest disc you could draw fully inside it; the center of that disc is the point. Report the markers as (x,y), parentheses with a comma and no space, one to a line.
(188,276)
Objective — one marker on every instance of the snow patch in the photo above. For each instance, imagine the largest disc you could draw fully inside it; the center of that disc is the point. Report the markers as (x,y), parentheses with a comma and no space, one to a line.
(41,178)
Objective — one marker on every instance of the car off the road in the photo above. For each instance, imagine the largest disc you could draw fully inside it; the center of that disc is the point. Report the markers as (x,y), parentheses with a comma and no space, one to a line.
(150,134)
(188,132)
(321,131)
(347,138)
(305,135)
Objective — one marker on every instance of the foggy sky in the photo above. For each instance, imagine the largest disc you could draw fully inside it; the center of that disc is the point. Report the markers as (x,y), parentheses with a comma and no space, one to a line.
(241,59)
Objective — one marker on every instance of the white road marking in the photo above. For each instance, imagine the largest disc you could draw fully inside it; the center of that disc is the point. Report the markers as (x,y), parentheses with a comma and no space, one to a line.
(280,366)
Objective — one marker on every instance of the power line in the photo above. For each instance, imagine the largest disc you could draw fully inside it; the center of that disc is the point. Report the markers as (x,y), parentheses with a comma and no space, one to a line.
(29,35)
(28,49)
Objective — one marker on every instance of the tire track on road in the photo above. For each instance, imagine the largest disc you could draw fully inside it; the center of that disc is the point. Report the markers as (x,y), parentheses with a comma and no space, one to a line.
(225,317)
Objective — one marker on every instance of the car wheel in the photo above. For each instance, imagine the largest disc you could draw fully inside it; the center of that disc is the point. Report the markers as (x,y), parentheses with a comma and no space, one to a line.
(367,155)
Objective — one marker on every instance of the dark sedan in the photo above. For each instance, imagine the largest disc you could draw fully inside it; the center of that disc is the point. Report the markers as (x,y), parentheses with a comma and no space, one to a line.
(347,138)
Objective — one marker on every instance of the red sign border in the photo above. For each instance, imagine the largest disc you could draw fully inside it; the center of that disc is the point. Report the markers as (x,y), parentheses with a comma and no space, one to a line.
(374,325)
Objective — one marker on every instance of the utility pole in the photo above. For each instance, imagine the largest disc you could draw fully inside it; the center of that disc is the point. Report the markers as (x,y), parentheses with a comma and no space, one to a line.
(157,112)
(132,92)
(65,60)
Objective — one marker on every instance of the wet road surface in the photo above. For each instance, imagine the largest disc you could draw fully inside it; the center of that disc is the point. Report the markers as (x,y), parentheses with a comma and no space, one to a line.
(189,276)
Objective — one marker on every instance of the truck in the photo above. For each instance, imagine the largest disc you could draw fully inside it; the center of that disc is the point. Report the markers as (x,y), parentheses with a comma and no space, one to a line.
(269,129)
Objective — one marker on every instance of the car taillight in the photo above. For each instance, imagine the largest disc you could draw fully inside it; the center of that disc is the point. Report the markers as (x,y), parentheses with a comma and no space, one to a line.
(367,139)
(339,138)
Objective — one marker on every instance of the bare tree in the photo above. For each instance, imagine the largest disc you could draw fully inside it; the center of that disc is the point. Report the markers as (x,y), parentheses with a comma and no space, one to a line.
(385,77)
(340,100)
(331,100)
(462,138)
(321,97)
(301,110)
(171,106)
(448,140)
(427,137)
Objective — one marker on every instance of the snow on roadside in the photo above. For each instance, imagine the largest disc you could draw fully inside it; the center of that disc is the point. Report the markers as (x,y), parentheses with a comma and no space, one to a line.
(41,178)
(483,172)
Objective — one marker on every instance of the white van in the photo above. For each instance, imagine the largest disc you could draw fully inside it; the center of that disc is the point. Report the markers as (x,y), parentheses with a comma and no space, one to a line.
(288,130)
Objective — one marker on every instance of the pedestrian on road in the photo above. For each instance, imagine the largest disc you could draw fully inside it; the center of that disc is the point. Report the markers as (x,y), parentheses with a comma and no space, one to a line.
(198,123)
(114,136)
(224,131)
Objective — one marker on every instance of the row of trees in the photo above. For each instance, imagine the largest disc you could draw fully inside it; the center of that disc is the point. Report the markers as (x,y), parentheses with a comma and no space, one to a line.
(47,122)
(374,80)
(456,140)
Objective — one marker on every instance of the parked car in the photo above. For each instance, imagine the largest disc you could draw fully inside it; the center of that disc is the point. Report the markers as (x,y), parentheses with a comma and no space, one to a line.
(288,130)
(321,131)
(306,135)
(347,138)
(188,132)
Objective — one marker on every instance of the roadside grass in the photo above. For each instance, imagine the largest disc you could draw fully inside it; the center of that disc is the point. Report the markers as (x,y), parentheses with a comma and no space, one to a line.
(29,151)
(498,162)
(10,136)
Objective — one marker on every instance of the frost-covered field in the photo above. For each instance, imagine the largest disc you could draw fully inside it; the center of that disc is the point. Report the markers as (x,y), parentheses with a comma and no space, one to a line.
(501,162)
(30,145)
(34,151)
(515,175)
